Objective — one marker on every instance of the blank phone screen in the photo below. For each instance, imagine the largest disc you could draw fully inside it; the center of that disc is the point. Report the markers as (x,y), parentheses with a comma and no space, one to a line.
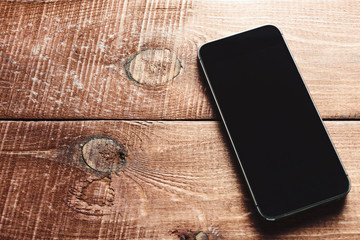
(284,150)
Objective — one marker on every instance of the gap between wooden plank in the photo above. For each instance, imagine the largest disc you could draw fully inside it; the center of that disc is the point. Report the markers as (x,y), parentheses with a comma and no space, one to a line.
(152,120)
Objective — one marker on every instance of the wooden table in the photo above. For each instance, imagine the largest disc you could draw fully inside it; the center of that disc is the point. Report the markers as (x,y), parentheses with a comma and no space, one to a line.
(107,129)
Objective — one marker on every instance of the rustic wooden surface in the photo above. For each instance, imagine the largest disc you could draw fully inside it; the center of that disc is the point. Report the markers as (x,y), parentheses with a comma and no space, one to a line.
(178,179)
(74,59)
(68,65)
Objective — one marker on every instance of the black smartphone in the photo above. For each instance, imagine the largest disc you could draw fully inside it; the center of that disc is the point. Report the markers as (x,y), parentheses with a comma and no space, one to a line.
(284,150)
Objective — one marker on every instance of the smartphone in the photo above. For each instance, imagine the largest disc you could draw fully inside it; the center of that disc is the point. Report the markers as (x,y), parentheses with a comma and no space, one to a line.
(283,148)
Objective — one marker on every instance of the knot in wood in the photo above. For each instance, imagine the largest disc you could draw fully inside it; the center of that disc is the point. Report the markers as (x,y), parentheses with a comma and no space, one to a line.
(201,236)
(103,155)
(153,67)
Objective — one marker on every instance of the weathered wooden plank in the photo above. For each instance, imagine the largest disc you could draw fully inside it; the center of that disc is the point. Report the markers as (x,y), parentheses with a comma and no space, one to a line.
(154,180)
(118,59)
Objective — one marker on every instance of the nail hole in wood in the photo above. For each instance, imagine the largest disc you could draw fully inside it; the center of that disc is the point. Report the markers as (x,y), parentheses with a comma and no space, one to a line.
(153,67)
(103,155)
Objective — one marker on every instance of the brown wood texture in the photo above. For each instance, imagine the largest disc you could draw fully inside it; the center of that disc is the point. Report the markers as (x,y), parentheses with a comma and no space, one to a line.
(121,59)
(137,59)
(178,181)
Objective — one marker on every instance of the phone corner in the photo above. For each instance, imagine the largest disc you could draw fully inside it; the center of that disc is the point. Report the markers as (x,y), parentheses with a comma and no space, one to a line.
(200,49)
(265,216)
(273,28)
(348,187)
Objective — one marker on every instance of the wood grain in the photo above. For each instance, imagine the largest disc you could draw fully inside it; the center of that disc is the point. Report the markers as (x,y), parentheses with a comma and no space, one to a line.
(67,59)
(121,59)
(179,182)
